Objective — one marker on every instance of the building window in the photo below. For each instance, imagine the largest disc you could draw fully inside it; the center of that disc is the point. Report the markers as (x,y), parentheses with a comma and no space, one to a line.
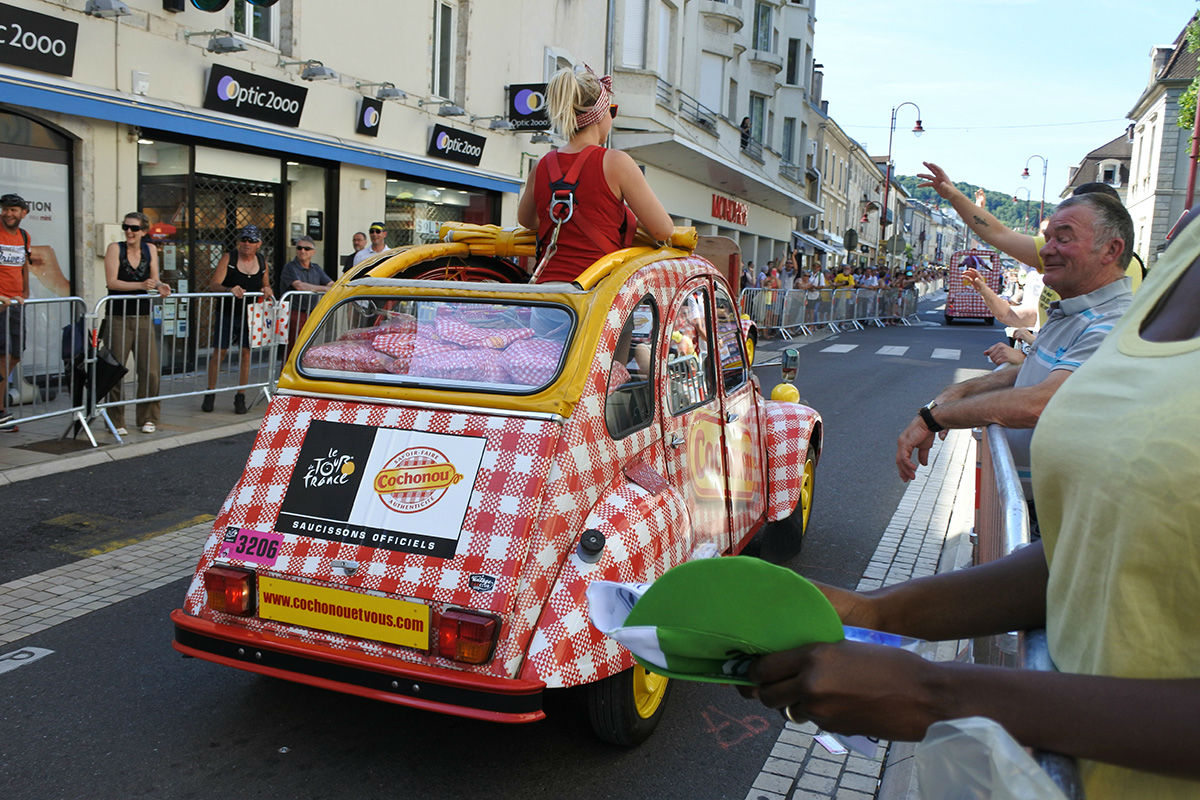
(794,76)
(256,22)
(666,19)
(762,27)
(758,116)
(733,86)
(788,151)
(633,43)
(443,49)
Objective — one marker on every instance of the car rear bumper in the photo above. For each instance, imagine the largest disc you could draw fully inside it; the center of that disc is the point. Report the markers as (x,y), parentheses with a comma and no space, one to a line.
(462,694)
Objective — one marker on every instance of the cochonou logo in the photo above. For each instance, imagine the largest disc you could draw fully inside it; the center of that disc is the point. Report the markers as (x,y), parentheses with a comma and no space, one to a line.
(528,101)
(370,117)
(415,479)
(446,143)
(229,90)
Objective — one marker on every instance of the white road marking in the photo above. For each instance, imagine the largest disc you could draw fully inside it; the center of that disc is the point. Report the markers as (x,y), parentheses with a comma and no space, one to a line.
(948,353)
(839,348)
(19,658)
(891,350)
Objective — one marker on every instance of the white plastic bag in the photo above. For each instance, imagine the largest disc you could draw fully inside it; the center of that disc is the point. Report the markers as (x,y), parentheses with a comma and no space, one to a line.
(976,759)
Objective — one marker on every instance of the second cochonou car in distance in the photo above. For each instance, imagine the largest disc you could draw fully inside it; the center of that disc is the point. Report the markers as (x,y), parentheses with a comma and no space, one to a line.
(448,464)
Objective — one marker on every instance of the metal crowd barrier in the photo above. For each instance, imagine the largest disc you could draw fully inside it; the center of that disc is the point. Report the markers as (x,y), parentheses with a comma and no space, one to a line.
(792,312)
(48,381)
(1001,527)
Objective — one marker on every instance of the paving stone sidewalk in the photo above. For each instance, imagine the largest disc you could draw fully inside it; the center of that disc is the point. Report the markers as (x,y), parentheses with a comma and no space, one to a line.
(930,532)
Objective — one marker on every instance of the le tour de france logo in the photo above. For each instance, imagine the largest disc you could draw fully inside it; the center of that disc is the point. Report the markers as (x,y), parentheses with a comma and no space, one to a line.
(332,469)
(415,479)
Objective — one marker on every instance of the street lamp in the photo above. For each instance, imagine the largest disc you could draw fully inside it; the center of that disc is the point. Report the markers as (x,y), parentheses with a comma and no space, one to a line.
(1025,174)
(887,178)
(1024,189)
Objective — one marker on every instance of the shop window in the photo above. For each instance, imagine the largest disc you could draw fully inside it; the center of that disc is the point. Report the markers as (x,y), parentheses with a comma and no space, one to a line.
(690,379)
(256,22)
(629,404)
(414,211)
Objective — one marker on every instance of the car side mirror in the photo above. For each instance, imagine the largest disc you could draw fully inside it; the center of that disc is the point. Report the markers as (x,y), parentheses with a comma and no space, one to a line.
(790,364)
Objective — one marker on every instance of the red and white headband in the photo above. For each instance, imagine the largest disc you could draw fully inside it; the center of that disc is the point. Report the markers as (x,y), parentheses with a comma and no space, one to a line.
(600,110)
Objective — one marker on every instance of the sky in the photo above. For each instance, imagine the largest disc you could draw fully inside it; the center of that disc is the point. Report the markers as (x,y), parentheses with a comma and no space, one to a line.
(996,81)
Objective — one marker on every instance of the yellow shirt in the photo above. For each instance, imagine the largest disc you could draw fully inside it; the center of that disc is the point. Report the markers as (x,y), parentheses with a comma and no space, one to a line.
(1116,455)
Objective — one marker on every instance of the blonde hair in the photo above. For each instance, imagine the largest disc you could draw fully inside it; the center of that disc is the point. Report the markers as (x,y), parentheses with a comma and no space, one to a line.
(569,93)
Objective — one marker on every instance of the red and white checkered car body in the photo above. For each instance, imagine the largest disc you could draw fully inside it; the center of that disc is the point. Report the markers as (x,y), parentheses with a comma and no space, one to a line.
(962,301)
(376,492)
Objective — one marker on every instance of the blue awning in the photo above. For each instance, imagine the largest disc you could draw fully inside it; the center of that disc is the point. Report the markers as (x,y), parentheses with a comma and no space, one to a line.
(66,97)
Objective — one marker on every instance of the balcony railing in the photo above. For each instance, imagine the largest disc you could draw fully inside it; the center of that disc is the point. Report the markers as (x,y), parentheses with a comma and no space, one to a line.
(791,172)
(753,148)
(695,111)
(664,94)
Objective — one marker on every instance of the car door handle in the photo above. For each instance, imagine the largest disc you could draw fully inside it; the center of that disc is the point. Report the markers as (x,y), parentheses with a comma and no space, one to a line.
(732,417)
(677,439)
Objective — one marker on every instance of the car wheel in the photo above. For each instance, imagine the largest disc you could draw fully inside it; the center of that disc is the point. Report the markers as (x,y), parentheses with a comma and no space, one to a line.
(782,539)
(949,319)
(751,341)
(988,321)
(625,708)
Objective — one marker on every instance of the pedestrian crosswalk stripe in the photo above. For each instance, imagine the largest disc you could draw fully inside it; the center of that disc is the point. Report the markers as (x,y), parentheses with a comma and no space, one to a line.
(891,350)
(948,353)
(839,348)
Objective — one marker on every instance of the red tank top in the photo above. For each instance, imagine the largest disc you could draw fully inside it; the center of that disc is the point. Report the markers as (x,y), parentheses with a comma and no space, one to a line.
(595,201)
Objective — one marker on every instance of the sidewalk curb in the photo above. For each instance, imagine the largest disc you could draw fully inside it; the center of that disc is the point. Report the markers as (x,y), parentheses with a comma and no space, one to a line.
(108,453)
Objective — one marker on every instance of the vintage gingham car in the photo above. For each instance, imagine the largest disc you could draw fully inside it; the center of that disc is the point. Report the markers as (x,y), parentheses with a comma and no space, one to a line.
(448,464)
(962,301)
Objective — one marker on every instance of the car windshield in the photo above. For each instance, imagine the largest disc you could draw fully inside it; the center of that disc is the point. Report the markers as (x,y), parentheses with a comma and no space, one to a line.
(511,347)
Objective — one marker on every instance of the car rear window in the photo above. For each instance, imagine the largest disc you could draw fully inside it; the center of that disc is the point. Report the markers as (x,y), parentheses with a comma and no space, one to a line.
(512,347)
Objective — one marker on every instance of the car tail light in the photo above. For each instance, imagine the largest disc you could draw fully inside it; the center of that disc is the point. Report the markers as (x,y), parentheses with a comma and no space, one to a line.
(467,636)
(230,590)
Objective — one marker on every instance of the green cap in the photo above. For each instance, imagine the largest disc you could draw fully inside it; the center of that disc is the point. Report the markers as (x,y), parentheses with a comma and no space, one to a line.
(706,620)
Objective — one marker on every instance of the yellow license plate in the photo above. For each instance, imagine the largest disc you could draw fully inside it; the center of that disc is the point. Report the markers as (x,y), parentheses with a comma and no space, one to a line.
(381,619)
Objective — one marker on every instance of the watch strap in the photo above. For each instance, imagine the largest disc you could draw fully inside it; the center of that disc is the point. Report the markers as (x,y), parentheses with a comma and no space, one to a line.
(930,423)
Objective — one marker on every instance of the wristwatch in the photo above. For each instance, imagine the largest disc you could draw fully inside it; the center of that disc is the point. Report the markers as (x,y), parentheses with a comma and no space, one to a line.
(926,414)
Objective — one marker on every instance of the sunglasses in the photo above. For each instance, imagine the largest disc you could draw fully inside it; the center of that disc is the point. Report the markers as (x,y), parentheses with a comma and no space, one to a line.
(375,230)
(131,227)
(304,248)
(612,111)
(248,239)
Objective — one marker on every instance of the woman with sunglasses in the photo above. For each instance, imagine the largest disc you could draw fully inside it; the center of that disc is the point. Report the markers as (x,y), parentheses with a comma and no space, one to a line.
(131,271)
(611,195)
(240,271)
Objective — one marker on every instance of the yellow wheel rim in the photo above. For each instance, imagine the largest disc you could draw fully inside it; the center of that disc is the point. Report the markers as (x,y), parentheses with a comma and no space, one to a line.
(750,350)
(648,691)
(806,493)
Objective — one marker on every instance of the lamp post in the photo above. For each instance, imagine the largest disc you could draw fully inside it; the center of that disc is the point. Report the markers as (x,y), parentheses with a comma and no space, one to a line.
(1027,199)
(1025,174)
(887,178)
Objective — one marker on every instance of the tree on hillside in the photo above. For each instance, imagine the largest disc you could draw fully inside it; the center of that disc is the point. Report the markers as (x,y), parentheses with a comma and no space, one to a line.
(1000,205)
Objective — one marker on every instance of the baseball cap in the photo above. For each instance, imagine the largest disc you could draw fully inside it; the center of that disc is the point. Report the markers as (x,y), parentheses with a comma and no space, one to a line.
(376,226)
(707,619)
(250,232)
(9,200)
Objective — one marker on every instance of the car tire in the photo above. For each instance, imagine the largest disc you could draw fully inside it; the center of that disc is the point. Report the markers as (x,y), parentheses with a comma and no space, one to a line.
(624,709)
(988,321)
(949,319)
(782,539)
(751,344)
(470,270)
